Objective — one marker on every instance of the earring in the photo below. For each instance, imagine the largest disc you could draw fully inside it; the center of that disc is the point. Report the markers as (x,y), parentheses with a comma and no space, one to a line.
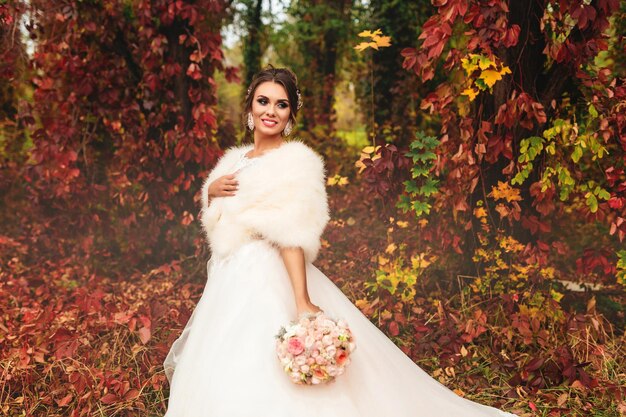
(288,128)
(250,122)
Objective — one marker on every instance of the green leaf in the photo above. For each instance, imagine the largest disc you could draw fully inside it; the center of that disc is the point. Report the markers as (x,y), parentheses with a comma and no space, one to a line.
(421,208)
(429,188)
(419,171)
(404,203)
(577,154)
(411,187)
(603,194)
(592,202)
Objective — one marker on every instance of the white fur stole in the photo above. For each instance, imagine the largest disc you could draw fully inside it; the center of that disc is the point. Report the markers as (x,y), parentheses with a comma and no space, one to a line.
(281,197)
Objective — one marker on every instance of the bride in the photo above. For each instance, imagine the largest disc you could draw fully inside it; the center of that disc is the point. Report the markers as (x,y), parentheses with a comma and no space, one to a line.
(264,208)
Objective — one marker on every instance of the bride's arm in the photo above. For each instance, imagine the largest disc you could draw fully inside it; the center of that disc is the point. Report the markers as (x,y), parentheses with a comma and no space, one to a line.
(293,259)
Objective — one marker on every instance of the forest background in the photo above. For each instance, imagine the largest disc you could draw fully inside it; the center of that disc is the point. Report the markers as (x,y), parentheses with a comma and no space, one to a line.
(475,152)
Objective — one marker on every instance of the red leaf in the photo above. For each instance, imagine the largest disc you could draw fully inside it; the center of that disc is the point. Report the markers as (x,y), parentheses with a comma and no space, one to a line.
(110,398)
(144,335)
(131,394)
(394,329)
(64,401)
(511,36)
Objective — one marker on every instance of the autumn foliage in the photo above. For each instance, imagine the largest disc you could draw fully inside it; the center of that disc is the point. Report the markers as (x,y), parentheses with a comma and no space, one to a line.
(122,119)
(112,122)
(532,111)
(463,244)
(517,191)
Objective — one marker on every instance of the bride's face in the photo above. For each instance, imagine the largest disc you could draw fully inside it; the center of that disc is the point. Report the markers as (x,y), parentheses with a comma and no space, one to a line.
(270,108)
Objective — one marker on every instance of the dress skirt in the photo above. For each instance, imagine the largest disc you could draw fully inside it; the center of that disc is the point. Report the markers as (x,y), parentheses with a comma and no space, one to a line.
(224,363)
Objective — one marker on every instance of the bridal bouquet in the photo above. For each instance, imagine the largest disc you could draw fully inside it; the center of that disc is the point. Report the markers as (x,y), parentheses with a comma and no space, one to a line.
(315,348)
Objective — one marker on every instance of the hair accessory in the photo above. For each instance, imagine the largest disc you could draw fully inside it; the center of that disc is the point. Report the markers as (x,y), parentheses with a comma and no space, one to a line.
(299,98)
(250,122)
(288,128)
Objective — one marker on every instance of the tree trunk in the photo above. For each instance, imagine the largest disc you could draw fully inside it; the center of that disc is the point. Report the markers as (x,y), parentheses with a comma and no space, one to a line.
(252,45)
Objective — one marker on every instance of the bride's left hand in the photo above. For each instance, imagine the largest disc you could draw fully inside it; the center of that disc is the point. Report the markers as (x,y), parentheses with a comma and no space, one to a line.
(307,307)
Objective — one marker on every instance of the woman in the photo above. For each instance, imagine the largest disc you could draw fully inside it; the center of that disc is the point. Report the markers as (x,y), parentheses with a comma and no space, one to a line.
(264,207)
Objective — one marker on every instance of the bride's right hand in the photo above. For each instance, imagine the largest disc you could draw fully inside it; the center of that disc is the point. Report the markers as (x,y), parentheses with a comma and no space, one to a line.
(307,307)
(224,186)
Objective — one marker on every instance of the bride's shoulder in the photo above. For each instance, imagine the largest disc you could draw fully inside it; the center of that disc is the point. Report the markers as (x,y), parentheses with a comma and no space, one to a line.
(297,151)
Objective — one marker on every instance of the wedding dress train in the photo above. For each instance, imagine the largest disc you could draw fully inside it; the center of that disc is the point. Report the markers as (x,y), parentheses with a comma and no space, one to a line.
(224,364)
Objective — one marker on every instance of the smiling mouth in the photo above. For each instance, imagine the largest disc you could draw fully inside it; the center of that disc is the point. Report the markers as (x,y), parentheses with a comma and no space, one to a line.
(269,123)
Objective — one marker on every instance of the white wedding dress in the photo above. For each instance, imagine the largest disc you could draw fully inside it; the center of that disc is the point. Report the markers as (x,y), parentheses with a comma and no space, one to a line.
(224,363)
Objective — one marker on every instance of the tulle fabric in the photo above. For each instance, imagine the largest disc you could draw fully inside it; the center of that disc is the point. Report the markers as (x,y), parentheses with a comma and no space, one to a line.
(224,363)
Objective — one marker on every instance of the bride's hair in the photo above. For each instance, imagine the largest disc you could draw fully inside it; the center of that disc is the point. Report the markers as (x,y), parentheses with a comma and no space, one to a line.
(282,76)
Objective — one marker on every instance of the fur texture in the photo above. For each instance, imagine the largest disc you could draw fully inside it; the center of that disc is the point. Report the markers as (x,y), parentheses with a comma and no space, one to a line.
(281,198)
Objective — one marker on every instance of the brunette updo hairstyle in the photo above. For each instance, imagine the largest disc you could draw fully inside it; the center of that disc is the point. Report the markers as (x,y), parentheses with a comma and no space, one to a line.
(282,76)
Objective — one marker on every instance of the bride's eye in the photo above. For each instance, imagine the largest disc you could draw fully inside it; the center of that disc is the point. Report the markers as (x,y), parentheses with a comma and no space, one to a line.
(283,105)
(262,101)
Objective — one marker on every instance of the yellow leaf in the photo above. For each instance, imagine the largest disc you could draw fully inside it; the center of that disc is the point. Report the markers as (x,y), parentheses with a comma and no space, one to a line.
(464,351)
(480,212)
(382,41)
(484,62)
(369,149)
(468,66)
(420,261)
(505,191)
(509,244)
(363,45)
(382,260)
(471,93)
(505,70)
(337,180)
(351,221)
(391,248)
(402,224)
(369,34)
(556,295)
(490,77)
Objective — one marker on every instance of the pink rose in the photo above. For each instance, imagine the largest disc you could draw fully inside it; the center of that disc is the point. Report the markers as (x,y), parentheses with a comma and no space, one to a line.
(295,346)
(319,373)
(341,357)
